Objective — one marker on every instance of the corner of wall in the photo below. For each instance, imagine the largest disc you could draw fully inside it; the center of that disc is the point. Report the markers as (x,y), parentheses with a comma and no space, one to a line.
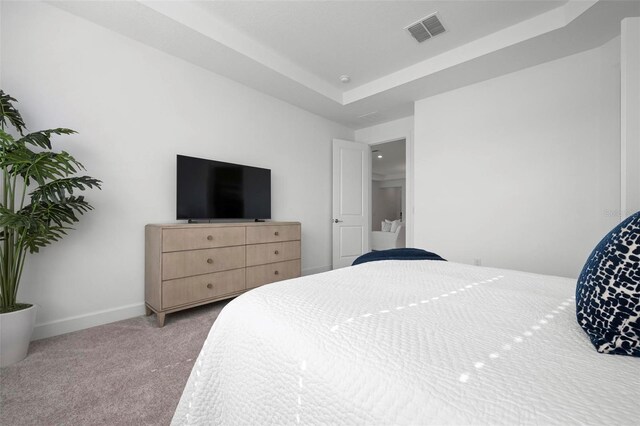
(629,112)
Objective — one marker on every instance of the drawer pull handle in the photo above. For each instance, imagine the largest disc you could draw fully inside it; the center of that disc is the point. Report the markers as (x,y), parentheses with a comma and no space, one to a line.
(209,286)
(210,237)
(276,233)
(209,260)
(276,252)
(276,273)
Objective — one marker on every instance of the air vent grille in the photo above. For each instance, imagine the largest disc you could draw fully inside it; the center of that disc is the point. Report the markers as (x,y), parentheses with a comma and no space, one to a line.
(426,28)
(433,25)
(419,32)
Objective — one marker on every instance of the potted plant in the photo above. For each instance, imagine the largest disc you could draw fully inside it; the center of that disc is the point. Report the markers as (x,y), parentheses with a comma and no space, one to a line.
(38,204)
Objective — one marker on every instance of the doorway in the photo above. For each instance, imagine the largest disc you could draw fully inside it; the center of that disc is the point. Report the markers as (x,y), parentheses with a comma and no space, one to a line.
(388,195)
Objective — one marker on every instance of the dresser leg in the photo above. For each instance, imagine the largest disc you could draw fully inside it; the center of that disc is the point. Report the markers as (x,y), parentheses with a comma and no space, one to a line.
(147,311)
(160,318)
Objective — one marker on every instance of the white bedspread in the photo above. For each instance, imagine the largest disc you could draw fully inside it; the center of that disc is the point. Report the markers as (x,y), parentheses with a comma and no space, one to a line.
(413,342)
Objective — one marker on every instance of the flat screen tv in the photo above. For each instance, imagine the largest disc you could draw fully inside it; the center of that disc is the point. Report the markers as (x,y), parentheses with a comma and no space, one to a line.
(209,189)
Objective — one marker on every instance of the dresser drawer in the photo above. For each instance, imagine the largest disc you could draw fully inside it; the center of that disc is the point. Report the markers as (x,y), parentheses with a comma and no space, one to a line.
(259,254)
(201,238)
(194,289)
(191,265)
(272,234)
(181,264)
(265,274)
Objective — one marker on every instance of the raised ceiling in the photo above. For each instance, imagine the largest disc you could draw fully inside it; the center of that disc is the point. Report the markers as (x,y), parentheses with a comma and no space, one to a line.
(366,39)
(295,50)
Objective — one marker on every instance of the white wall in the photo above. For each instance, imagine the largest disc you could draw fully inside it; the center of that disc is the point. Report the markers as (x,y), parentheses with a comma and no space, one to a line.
(630,116)
(387,132)
(135,108)
(402,184)
(522,171)
(386,203)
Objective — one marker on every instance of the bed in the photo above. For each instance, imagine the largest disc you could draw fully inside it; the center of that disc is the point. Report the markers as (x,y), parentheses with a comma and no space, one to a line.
(408,342)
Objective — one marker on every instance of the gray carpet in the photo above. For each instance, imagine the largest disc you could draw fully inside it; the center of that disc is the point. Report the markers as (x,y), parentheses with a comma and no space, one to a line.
(124,373)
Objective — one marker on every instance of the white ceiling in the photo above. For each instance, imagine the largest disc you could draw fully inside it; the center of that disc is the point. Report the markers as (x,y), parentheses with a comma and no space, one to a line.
(295,50)
(366,39)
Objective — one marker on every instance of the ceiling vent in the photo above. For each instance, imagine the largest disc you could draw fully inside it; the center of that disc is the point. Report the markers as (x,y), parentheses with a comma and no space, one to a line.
(370,117)
(426,28)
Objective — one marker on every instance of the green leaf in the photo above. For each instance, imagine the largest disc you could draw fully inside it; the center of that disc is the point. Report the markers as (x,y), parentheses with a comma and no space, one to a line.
(42,138)
(60,213)
(14,221)
(9,113)
(43,223)
(44,236)
(39,166)
(58,190)
(7,142)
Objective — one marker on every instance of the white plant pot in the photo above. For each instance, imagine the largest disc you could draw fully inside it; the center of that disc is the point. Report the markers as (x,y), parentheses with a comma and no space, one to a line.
(15,333)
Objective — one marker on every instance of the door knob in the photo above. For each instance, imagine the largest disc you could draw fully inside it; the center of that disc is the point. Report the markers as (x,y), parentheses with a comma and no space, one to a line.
(209,286)
(209,261)
(337,221)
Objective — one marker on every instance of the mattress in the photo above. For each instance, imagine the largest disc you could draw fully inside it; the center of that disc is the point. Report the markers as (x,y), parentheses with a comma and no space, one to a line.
(408,342)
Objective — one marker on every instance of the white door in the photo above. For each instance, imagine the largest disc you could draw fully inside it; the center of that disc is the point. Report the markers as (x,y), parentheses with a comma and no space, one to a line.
(351,162)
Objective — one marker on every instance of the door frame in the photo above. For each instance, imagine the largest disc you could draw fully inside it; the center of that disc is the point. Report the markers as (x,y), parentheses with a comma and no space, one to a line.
(409,182)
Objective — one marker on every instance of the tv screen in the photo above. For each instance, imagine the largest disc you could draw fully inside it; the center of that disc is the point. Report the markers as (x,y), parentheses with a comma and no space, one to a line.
(209,189)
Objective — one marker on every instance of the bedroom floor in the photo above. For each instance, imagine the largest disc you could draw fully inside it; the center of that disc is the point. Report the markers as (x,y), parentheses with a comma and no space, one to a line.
(127,373)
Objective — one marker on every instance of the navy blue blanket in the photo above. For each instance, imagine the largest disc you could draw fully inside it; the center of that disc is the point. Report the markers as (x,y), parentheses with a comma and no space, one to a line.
(397,254)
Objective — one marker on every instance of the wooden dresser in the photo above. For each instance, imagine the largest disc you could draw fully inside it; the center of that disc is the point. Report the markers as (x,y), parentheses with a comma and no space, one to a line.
(188,265)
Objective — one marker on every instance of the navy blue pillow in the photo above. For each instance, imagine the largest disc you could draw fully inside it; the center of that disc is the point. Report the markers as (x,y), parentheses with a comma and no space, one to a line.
(397,254)
(608,291)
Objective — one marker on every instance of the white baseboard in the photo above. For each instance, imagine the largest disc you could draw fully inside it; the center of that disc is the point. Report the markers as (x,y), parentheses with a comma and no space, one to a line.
(80,322)
(316,270)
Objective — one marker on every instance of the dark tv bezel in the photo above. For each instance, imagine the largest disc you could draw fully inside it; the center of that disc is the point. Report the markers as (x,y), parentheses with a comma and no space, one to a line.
(212,219)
